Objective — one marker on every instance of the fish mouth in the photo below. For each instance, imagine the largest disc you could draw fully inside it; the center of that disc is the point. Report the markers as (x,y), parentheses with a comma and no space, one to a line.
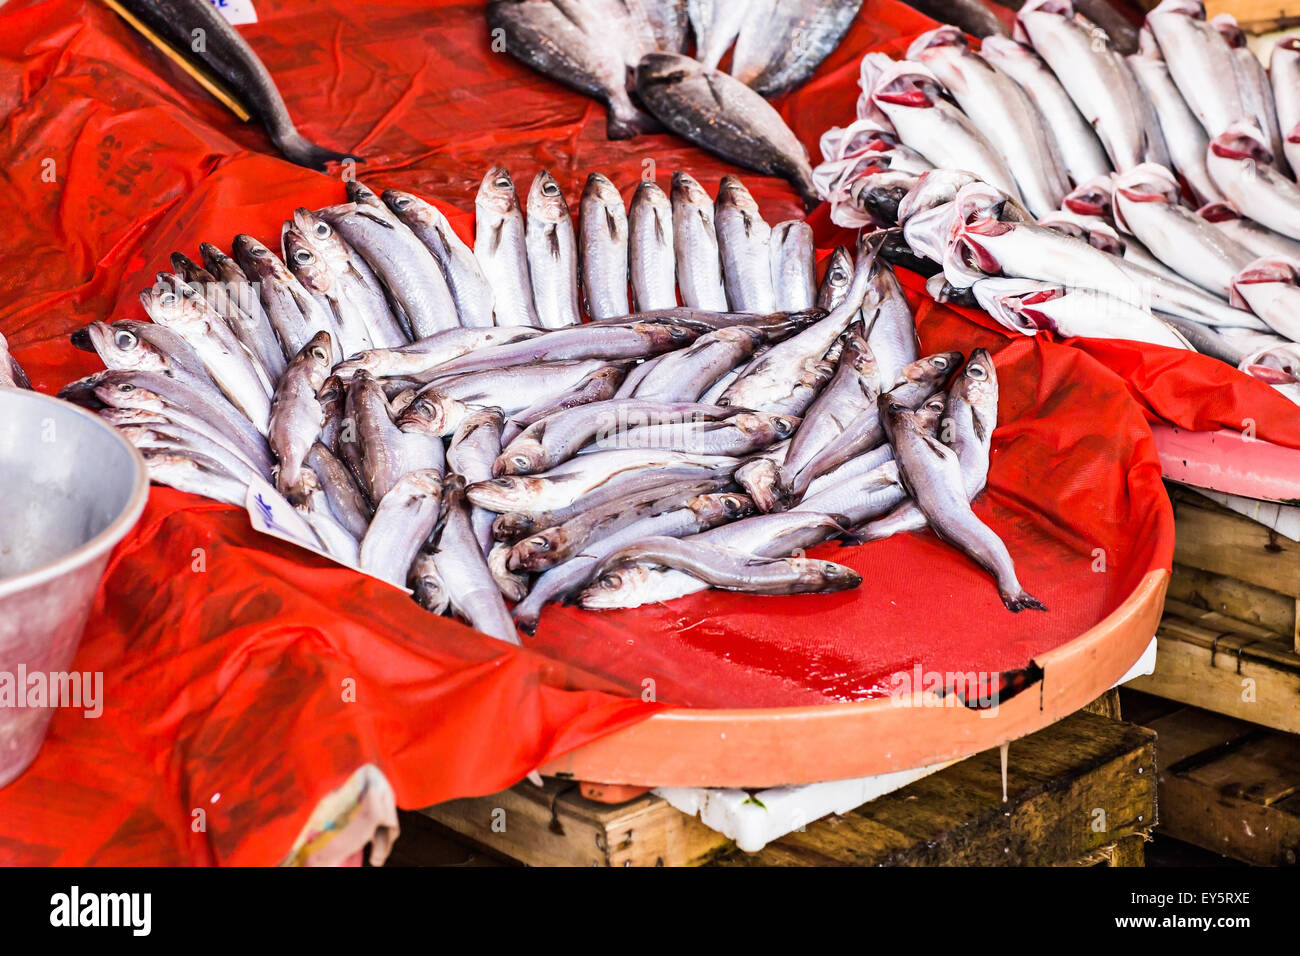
(912,90)
(938,38)
(1266,270)
(1241,144)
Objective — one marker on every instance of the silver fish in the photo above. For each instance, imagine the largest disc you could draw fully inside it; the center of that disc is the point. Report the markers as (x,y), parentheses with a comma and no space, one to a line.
(315,509)
(553,39)
(296,415)
(406,268)
(474,448)
(695,244)
(148,347)
(688,373)
(891,330)
(932,474)
(716,24)
(741,434)
(650,249)
(425,355)
(794,267)
(720,113)
(1201,63)
(1079,148)
(293,313)
(835,282)
(598,386)
(1271,287)
(334,295)
(470,587)
(670,23)
(1240,165)
(1257,93)
(426,582)
(781,44)
(1260,240)
(552,254)
(404,519)
(1284,74)
(602,227)
(174,305)
(360,285)
(346,499)
(236,298)
(744,239)
(194,473)
(500,246)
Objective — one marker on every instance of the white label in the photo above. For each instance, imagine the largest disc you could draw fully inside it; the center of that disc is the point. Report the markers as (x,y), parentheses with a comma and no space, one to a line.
(270,513)
(236,11)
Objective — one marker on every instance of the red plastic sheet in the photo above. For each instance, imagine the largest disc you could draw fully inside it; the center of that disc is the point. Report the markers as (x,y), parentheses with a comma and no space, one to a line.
(253,687)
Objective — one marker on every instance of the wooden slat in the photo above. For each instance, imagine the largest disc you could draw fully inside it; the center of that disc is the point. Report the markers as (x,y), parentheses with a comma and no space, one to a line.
(1058,780)
(1263,770)
(1215,539)
(1233,598)
(1189,731)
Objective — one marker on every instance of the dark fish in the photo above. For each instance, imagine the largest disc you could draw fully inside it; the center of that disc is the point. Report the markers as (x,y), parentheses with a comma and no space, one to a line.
(779,49)
(227,58)
(971,15)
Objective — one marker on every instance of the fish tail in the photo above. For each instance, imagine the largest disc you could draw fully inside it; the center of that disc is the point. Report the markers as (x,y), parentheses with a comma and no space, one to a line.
(298,149)
(1022,601)
(625,121)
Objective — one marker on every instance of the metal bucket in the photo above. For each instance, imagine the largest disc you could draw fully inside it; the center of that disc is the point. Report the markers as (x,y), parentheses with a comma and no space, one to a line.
(70,488)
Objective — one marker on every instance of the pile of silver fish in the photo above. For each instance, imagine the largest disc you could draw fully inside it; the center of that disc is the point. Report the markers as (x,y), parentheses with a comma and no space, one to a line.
(1065,187)
(631,56)
(505,426)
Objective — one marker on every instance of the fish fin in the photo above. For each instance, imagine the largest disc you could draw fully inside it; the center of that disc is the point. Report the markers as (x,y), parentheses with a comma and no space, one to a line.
(629,123)
(611,224)
(1022,601)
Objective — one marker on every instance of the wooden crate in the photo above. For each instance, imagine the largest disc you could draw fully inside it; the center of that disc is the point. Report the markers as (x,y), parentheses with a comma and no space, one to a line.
(1228,640)
(1257,16)
(1226,785)
(1081,792)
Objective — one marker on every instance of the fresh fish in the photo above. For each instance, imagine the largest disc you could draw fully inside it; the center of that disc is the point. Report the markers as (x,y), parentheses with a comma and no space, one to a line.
(319,278)
(865,431)
(214,294)
(11,373)
(423,356)
(474,448)
(911,96)
(226,57)
(994,102)
(567,578)
(377,437)
(358,282)
(316,511)
(465,280)
(1183,133)
(406,268)
(147,347)
(174,305)
(1094,74)
(716,24)
(429,590)
(1075,139)
(850,394)
(296,415)
(794,266)
(513,586)
(404,519)
(687,374)
(1029,306)
(1257,93)
(567,483)
(650,249)
(602,225)
(552,254)
(623,23)
(236,299)
(558,437)
(1146,205)
(855,467)
(972,16)
(547,37)
(346,499)
(735,571)
(892,330)
(1241,166)
(163,434)
(741,434)
(444,403)
(459,559)
(969,415)
(932,474)
(744,239)
(1260,240)
(1284,74)
(1271,287)
(557,544)
(835,282)
(1200,62)
(195,474)
(598,386)
(610,342)
(721,114)
(293,313)
(781,48)
(695,245)
(500,246)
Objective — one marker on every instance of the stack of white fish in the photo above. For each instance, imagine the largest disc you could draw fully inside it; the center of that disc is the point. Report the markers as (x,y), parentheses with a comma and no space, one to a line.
(445,418)
(1149,197)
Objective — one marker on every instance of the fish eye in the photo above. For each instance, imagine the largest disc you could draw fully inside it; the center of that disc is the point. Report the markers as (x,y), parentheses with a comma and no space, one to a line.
(126,387)
(550,188)
(503,182)
(730,504)
(318,353)
(520,461)
(677,332)
(322,230)
(124,340)
(782,425)
(303,255)
(167,298)
(401,202)
(977,372)
(539,543)
(939,362)
(610,581)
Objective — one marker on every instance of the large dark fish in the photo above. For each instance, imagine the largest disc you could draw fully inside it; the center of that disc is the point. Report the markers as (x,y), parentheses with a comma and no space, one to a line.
(722,114)
(542,35)
(971,15)
(225,57)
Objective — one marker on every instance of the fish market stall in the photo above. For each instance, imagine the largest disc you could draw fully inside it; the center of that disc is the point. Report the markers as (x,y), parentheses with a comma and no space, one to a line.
(279,644)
